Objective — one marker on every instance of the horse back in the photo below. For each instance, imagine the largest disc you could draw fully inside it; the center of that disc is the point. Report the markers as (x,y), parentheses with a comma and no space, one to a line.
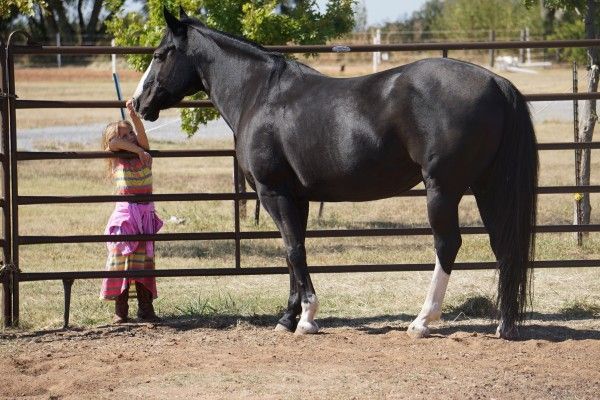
(373,137)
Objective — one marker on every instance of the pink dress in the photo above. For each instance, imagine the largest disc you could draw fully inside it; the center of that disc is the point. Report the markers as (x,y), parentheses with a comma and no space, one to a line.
(131,177)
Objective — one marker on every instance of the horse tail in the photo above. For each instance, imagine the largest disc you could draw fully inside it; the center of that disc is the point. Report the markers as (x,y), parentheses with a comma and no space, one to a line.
(514,201)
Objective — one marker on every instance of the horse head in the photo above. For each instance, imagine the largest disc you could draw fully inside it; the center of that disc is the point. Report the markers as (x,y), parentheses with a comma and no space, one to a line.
(172,73)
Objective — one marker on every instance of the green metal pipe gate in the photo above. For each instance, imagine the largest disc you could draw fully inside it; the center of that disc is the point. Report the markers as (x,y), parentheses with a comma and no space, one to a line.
(11,274)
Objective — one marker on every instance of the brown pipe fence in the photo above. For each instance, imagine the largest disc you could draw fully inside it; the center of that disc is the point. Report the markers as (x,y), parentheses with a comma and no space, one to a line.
(11,275)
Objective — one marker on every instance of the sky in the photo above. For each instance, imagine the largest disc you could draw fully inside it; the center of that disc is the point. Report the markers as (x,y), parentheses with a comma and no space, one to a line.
(381,11)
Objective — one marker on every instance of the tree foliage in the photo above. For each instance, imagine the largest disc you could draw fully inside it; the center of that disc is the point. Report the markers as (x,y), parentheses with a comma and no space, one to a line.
(477,15)
(570,28)
(264,21)
(77,21)
(580,20)
(8,7)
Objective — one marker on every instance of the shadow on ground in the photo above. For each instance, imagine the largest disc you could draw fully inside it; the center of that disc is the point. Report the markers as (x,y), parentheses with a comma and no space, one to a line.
(541,326)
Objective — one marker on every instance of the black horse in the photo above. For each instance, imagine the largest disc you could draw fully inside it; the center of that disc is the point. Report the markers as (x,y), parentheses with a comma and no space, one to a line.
(301,136)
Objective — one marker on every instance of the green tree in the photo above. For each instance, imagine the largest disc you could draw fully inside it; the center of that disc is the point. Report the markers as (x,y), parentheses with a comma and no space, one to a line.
(462,16)
(77,21)
(570,27)
(21,6)
(264,21)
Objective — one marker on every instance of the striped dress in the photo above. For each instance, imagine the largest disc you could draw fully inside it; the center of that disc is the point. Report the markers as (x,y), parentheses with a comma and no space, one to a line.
(131,177)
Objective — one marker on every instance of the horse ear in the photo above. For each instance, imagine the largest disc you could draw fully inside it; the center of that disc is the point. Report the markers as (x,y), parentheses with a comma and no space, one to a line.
(173,23)
(182,13)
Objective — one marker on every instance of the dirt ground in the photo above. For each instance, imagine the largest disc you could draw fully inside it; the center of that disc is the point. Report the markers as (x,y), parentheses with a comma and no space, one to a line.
(350,359)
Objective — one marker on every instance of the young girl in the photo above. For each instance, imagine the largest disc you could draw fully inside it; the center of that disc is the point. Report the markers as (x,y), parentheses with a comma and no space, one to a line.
(131,176)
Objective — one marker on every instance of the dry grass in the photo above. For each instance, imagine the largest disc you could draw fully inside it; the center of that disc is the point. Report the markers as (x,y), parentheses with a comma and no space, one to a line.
(341,295)
(357,295)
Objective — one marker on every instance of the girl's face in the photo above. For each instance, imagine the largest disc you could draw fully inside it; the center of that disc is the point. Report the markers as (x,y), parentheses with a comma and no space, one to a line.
(125,132)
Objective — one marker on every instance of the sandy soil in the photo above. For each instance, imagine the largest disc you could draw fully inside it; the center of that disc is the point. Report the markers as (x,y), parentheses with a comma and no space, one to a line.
(245,358)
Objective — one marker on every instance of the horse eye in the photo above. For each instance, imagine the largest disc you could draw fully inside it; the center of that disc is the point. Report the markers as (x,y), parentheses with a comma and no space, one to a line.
(158,56)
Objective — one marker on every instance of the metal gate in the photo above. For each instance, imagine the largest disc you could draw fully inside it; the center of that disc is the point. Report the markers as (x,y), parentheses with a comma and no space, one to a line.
(11,274)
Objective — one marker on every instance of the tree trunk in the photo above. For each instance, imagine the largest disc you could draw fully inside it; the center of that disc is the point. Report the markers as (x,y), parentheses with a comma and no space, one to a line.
(589,116)
(586,132)
(81,19)
(92,25)
(63,25)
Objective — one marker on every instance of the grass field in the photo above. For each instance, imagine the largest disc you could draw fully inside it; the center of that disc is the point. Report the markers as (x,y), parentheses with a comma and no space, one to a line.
(559,293)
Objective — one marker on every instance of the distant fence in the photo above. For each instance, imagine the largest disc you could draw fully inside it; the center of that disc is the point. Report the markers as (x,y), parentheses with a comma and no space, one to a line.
(12,275)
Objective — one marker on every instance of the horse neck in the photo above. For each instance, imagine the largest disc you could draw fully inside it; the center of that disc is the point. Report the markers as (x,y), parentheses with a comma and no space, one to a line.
(236,74)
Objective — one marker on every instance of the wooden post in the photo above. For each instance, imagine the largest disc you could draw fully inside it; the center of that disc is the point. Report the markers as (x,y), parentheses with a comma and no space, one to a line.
(376,54)
(522,51)
(492,52)
(58,56)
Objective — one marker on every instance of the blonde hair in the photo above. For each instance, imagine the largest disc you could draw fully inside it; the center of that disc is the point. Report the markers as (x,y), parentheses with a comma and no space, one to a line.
(108,134)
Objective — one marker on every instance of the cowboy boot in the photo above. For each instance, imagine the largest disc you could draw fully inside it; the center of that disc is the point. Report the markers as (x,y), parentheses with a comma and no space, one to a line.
(121,307)
(145,308)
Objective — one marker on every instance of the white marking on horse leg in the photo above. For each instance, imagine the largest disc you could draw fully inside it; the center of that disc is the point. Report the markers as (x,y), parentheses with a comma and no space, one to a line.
(432,308)
(140,86)
(307,324)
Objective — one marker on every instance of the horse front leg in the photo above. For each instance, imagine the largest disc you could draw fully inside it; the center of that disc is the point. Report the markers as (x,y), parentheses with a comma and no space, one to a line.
(290,216)
(289,321)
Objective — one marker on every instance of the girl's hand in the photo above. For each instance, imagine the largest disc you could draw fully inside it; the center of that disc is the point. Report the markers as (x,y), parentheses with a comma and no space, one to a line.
(130,109)
(145,158)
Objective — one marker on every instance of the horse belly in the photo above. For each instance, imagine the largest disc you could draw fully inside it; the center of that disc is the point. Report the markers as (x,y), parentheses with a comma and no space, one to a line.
(365,182)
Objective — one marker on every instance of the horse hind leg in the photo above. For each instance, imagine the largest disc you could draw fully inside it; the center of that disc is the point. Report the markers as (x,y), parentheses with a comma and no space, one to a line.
(442,210)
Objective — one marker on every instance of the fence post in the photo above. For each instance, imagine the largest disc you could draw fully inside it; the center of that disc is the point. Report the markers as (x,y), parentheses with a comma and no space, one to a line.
(58,56)
(241,184)
(14,208)
(6,233)
(522,51)
(492,52)
(236,211)
(376,54)
(528,50)
(67,285)
(577,217)
(113,57)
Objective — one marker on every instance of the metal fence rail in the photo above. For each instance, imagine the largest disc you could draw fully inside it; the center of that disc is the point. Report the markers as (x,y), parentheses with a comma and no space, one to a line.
(11,201)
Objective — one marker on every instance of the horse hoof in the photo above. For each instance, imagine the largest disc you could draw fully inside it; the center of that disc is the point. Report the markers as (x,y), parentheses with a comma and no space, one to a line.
(307,328)
(417,331)
(282,328)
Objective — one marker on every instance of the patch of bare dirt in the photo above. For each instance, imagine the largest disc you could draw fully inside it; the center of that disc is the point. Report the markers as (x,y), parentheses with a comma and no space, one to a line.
(229,359)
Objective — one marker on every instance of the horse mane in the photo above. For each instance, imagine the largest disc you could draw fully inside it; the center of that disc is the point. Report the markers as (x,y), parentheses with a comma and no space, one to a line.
(278,59)
(201,26)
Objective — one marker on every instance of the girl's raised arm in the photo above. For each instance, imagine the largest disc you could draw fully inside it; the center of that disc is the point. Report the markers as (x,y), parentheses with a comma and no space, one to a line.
(140,131)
